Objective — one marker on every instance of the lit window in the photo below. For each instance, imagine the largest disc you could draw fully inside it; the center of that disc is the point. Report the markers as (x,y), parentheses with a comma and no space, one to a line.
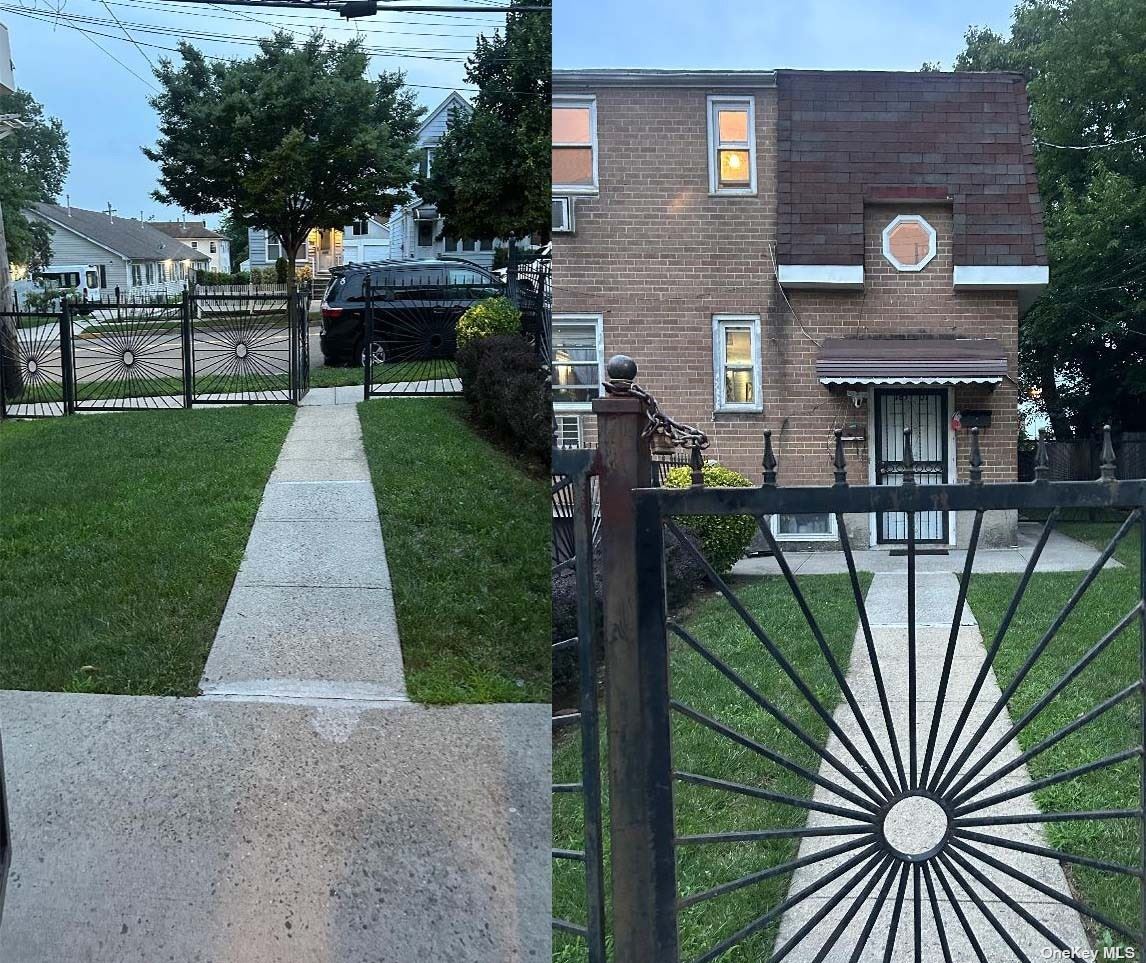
(909,242)
(732,145)
(575,144)
(736,363)
(578,359)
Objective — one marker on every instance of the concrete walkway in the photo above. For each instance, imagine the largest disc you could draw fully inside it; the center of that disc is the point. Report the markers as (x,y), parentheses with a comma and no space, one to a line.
(1061,554)
(302,810)
(886,605)
(311,613)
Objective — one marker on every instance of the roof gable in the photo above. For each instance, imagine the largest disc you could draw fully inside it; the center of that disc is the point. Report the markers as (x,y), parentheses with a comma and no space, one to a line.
(429,131)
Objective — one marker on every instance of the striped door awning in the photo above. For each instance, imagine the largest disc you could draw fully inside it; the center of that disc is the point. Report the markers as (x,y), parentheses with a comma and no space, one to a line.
(911,361)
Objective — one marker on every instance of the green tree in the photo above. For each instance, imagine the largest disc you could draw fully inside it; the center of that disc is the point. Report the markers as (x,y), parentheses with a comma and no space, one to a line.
(491,171)
(33,166)
(236,234)
(293,139)
(1083,344)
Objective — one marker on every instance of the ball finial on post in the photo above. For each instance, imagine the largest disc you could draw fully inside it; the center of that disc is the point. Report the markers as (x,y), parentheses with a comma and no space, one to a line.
(1109,465)
(621,369)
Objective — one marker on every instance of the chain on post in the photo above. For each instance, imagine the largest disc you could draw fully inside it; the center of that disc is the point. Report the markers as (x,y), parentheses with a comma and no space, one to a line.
(663,432)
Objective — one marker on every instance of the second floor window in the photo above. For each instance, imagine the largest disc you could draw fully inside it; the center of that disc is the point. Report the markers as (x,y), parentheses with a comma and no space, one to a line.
(732,145)
(214,249)
(575,145)
(274,249)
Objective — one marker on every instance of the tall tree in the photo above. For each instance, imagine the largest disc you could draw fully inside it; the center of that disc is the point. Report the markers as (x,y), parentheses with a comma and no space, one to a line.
(490,175)
(1083,344)
(293,139)
(33,166)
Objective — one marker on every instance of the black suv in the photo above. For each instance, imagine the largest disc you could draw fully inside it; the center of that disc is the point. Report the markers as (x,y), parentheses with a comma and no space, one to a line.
(416,306)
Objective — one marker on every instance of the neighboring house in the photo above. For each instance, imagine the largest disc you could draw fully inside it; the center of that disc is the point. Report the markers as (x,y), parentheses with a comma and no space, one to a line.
(129,254)
(199,237)
(412,231)
(832,250)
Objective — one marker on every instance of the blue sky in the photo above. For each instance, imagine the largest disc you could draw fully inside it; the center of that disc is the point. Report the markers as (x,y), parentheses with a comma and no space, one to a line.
(766,34)
(103,104)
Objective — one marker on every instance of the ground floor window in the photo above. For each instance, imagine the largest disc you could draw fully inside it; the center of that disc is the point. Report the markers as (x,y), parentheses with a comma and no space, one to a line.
(803,526)
(578,360)
(736,363)
(425,234)
(137,275)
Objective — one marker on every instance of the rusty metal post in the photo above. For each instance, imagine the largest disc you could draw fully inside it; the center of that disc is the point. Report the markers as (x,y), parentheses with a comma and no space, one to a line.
(636,684)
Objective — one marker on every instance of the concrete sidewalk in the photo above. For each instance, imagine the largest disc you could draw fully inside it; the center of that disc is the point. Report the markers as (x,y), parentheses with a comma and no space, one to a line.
(151,829)
(887,609)
(302,810)
(311,613)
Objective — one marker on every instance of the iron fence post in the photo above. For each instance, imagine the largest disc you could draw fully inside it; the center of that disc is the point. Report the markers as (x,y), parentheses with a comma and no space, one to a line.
(368,347)
(67,358)
(293,324)
(188,360)
(636,692)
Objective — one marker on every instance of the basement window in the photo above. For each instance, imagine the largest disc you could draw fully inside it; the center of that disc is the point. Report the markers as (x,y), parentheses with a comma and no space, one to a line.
(732,145)
(909,242)
(578,361)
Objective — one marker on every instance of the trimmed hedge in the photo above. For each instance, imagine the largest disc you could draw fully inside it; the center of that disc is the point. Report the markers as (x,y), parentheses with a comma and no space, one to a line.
(725,538)
(488,318)
(508,392)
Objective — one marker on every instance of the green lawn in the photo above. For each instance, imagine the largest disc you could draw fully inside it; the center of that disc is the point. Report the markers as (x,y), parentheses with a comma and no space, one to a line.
(697,749)
(325,377)
(1113,594)
(120,536)
(467,540)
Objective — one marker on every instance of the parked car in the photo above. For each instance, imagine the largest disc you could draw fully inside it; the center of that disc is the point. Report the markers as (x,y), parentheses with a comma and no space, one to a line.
(416,307)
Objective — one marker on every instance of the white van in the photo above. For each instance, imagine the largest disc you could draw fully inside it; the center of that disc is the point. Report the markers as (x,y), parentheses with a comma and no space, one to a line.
(84,277)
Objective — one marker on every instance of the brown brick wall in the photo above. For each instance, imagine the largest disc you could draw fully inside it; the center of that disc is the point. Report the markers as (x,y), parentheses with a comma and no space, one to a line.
(657,257)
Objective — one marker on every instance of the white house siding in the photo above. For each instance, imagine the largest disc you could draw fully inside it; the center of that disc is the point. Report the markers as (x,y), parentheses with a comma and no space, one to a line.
(68,248)
(221,259)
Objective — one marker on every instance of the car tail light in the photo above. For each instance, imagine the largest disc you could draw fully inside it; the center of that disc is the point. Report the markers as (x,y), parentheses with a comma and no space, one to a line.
(329,312)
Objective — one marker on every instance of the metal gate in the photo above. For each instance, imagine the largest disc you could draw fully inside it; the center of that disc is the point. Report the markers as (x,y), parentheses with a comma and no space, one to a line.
(158,351)
(925,413)
(573,474)
(911,830)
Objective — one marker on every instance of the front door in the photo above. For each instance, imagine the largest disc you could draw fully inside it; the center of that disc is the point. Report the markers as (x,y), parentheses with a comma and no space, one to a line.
(925,413)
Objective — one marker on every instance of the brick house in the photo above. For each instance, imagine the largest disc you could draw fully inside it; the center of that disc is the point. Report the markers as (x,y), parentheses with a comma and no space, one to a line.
(802,251)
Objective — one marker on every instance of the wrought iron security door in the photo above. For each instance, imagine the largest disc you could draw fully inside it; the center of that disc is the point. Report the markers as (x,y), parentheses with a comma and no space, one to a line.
(916,785)
(925,413)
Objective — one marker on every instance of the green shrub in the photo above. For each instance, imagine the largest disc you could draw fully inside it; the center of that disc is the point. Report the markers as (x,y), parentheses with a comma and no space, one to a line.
(724,538)
(507,390)
(488,318)
(282,270)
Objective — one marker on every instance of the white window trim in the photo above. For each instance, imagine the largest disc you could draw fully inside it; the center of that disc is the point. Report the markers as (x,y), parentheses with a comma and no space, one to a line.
(932,247)
(719,322)
(562,419)
(715,101)
(278,244)
(567,227)
(566,407)
(829,536)
(579,100)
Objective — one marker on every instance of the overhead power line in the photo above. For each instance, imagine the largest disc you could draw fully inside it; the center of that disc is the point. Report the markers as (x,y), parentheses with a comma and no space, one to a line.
(1113,143)
(364,8)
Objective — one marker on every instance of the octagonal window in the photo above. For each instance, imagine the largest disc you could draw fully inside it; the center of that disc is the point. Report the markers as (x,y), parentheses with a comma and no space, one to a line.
(909,242)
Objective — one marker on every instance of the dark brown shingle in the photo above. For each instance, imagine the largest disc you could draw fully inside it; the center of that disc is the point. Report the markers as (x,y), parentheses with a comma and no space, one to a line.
(849,136)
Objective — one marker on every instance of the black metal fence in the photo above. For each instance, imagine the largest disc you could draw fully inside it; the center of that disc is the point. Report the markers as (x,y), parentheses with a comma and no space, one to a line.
(573,485)
(529,284)
(909,785)
(197,348)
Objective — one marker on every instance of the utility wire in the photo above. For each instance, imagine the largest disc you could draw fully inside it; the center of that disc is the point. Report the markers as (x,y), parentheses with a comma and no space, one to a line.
(129,36)
(1113,143)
